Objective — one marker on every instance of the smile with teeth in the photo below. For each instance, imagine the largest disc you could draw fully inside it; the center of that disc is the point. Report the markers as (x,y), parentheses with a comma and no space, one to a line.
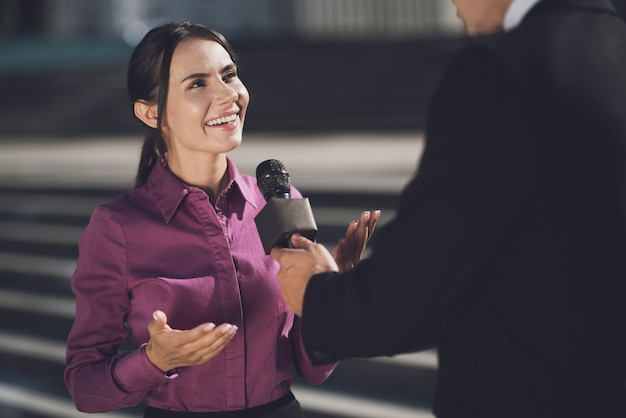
(220,121)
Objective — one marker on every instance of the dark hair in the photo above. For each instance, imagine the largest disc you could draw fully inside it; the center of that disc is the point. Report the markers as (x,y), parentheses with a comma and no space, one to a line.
(148,77)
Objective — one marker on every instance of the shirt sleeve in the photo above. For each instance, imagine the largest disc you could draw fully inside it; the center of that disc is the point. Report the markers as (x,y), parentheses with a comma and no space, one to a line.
(433,259)
(99,377)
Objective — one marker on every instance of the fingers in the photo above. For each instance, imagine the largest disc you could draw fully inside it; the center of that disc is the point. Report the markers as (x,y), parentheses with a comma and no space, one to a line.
(361,234)
(339,253)
(159,323)
(210,344)
(160,317)
(350,249)
(366,225)
(170,348)
(298,241)
(207,335)
(373,221)
(346,253)
(359,239)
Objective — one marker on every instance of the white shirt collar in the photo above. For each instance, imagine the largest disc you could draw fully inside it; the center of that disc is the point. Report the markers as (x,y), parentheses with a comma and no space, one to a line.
(516,12)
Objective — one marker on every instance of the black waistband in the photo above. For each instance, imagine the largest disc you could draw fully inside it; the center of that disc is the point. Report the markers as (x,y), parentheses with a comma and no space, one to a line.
(254,412)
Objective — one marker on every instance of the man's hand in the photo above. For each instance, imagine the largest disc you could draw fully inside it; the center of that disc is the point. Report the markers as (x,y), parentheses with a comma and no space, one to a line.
(297,265)
(350,249)
(170,348)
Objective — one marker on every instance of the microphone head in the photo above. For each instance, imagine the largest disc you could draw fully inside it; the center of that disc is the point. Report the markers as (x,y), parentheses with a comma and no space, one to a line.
(273,179)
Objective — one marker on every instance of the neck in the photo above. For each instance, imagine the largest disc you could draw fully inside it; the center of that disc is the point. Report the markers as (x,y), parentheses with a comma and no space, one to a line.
(207,173)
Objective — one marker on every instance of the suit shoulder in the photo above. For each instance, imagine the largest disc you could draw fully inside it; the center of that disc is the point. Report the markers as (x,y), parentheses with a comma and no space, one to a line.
(526,54)
(482,56)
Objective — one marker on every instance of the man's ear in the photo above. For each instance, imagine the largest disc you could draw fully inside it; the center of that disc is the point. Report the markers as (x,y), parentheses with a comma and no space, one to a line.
(147,112)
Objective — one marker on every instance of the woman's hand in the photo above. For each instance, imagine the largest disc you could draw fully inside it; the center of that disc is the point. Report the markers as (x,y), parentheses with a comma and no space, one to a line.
(350,249)
(170,348)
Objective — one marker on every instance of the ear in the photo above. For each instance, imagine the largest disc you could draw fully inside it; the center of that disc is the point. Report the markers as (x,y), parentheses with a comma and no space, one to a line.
(147,112)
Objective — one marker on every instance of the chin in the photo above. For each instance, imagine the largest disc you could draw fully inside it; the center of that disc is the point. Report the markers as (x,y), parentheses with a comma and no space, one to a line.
(234,142)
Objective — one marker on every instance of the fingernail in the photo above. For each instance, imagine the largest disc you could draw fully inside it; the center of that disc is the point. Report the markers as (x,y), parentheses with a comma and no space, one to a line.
(209,327)
(366,215)
(229,329)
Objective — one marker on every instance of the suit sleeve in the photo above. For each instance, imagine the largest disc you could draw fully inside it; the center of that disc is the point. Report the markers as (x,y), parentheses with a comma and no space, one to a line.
(431,261)
(314,374)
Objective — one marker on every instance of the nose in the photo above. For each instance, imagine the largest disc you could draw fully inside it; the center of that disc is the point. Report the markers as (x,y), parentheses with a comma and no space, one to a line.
(227,93)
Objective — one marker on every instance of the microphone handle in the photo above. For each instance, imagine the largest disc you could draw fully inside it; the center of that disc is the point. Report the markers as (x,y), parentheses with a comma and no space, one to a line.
(280,218)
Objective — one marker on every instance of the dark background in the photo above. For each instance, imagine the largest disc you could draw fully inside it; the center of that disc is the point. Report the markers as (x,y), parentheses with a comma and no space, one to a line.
(72,87)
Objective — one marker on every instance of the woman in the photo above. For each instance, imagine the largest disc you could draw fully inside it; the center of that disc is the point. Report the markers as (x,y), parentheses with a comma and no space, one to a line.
(177,263)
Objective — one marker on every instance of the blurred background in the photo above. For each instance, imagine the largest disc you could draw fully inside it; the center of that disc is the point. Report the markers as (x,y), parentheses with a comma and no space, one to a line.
(339,91)
(310,65)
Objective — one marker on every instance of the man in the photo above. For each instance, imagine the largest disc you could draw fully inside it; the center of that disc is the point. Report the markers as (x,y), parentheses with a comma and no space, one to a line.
(508,251)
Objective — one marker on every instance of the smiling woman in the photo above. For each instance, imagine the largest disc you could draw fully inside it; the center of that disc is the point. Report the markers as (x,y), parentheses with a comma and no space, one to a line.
(178,261)
(191,57)
(204,112)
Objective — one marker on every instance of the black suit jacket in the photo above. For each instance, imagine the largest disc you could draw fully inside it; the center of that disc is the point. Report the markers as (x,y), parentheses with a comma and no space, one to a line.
(508,252)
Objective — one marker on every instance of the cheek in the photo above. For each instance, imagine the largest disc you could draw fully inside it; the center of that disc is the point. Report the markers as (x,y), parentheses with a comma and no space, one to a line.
(191,107)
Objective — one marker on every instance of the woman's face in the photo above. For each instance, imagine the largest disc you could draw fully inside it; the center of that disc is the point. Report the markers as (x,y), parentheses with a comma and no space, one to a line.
(206,102)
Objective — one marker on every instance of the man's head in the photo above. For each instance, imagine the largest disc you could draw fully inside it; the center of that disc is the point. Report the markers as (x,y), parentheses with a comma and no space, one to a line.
(482,17)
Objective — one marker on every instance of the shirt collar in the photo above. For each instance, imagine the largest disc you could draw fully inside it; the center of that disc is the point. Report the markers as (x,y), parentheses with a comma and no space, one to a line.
(248,190)
(169,191)
(516,12)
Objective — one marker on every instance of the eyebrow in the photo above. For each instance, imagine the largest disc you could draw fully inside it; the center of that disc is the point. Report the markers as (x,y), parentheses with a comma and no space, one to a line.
(205,75)
(195,76)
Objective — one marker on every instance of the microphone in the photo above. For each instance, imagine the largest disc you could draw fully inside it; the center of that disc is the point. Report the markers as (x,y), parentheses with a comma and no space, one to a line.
(273,180)
(281,216)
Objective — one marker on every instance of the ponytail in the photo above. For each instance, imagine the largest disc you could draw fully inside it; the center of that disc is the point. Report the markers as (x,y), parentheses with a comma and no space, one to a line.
(152,150)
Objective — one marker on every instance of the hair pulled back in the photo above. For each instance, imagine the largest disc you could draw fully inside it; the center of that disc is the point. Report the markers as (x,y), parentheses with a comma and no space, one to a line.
(148,78)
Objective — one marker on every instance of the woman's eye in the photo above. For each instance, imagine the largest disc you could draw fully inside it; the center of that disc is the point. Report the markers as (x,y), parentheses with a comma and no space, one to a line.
(229,75)
(197,83)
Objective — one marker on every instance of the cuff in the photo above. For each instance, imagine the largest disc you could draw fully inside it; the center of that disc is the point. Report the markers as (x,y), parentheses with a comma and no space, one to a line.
(135,371)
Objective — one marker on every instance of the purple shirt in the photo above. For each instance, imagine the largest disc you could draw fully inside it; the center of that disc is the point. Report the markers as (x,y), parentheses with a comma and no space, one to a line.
(163,246)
